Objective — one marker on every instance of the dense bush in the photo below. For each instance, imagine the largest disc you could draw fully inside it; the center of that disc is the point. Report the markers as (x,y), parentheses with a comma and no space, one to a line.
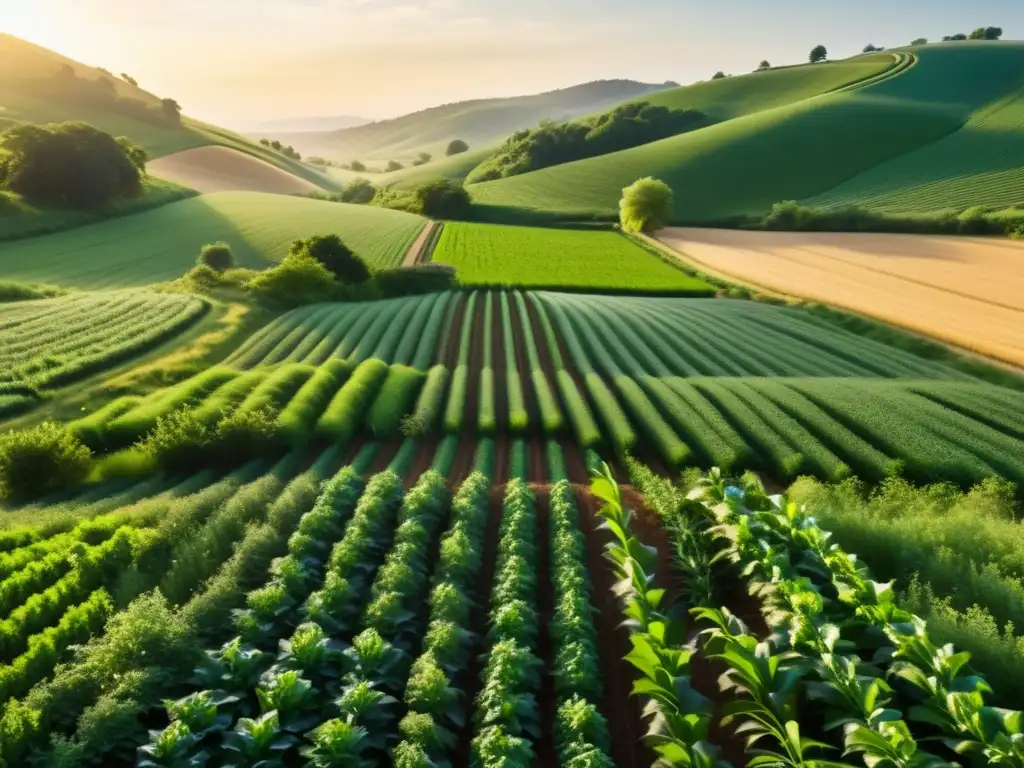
(456,147)
(442,199)
(337,257)
(41,460)
(182,442)
(393,165)
(299,279)
(216,256)
(629,125)
(791,216)
(646,206)
(412,281)
(10,291)
(358,191)
(69,164)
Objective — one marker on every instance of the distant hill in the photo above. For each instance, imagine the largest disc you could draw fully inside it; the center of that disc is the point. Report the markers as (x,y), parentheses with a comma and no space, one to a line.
(301,125)
(933,128)
(478,122)
(40,86)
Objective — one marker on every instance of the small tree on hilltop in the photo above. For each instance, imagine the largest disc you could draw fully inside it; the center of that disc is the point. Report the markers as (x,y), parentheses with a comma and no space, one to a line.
(457,147)
(719,75)
(129,79)
(954,38)
(423,159)
(764,65)
(646,206)
(337,257)
(818,53)
(872,48)
(986,33)
(919,41)
(216,256)
(357,166)
(393,165)
(171,111)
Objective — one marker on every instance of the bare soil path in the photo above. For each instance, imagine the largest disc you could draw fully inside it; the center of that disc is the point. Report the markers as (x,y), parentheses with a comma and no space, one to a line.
(966,291)
(412,256)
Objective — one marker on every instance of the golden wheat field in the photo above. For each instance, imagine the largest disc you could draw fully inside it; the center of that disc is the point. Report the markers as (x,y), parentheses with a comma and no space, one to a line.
(966,291)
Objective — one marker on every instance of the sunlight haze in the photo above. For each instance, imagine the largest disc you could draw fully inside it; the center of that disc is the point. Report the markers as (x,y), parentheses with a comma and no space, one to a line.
(237,61)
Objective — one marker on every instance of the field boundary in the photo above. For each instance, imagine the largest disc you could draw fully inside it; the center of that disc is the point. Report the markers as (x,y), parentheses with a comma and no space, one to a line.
(415,254)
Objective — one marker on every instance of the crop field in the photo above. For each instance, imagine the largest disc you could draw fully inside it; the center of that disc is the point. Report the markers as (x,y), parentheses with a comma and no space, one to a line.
(965,291)
(747,164)
(493,255)
(163,244)
(682,382)
(51,342)
(224,169)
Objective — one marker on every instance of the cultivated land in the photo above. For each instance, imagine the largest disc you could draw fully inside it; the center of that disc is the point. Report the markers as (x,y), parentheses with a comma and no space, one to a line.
(162,244)
(369,533)
(222,169)
(493,255)
(966,291)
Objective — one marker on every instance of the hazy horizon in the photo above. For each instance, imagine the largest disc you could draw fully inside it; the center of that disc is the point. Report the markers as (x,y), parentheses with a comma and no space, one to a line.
(253,61)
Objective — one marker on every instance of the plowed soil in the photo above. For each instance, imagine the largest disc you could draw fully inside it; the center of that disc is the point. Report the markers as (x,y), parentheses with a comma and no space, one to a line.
(220,169)
(966,291)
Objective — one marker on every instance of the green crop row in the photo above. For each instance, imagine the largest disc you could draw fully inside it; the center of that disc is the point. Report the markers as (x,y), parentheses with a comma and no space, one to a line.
(345,412)
(395,399)
(518,418)
(487,417)
(550,413)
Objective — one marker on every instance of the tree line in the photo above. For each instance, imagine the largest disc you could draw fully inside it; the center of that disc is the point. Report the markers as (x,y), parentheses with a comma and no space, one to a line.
(66,85)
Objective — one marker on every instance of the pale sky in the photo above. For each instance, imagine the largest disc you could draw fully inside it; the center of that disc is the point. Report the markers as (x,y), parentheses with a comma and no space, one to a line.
(238,61)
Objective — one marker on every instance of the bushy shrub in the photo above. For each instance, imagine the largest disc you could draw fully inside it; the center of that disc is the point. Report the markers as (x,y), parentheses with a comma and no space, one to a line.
(442,199)
(182,442)
(337,257)
(299,279)
(357,191)
(68,164)
(41,460)
(216,256)
(412,281)
(456,147)
(646,206)
(392,166)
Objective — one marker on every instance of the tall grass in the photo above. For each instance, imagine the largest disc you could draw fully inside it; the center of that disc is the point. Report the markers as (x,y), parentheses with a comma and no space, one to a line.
(225,399)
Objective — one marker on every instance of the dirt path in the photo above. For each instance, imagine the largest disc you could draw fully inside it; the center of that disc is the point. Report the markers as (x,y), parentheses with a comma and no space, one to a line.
(966,291)
(415,252)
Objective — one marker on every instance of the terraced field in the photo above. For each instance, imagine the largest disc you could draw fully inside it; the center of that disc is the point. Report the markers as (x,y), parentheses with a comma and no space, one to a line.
(491,255)
(52,342)
(162,244)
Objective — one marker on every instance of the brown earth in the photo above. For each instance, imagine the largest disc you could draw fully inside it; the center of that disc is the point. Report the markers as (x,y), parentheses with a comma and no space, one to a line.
(412,256)
(966,291)
(221,169)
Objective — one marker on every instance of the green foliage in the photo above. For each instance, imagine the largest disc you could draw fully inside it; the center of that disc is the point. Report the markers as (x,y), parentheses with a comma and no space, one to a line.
(413,281)
(347,409)
(10,292)
(41,460)
(299,416)
(456,147)
(299,279)
(646,206)
(442,199)
(217,257)
(628,125)
(338,258)
(69,164)
(394,400)
(818,53)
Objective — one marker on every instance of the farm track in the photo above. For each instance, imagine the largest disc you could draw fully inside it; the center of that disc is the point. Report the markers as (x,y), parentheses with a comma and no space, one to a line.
(417,250)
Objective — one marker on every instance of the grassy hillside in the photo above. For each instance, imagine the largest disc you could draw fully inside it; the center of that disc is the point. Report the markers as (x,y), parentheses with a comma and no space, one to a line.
(789,152)
(25,69)
(478,122)
(163,244)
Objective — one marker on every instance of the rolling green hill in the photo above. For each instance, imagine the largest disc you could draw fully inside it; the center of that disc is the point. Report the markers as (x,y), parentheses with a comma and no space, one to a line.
(162,244)
(31,92)
(479,122)
(803,148)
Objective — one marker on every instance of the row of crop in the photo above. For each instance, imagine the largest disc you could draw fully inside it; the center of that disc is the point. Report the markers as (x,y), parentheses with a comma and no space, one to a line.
(580,732)
(749,339)
(838,639)
(398,331)
(94,706)
(55,358)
